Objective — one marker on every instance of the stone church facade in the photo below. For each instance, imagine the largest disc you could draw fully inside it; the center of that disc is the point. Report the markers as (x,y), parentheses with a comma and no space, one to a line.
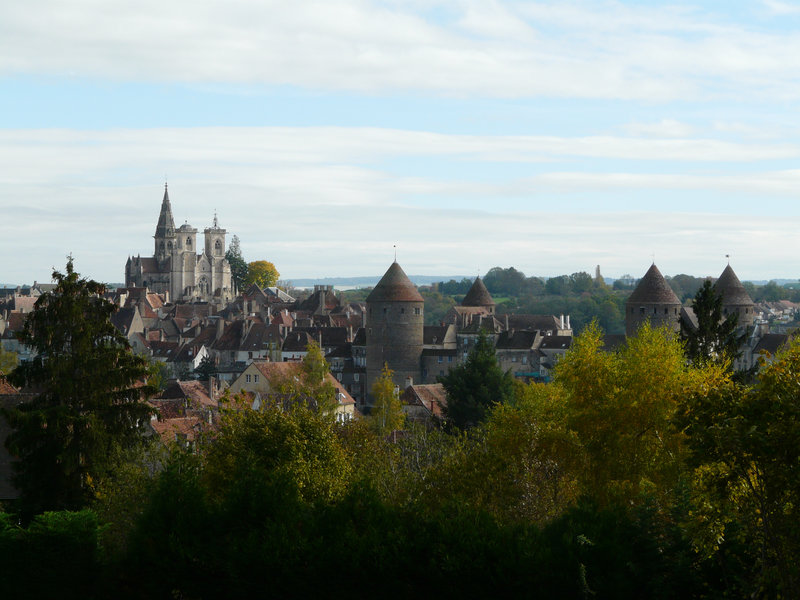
(181,269)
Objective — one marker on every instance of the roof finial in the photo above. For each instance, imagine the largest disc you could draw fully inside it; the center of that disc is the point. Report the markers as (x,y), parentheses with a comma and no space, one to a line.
(654,257)
(395,252)
(728,256)
(215,219)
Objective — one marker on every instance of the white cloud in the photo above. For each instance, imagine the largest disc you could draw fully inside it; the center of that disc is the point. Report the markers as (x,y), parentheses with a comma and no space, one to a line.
(669,128)
(501,48)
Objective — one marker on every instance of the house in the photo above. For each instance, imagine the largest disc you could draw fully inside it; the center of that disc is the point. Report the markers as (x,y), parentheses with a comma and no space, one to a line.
(425,403)
(263,378)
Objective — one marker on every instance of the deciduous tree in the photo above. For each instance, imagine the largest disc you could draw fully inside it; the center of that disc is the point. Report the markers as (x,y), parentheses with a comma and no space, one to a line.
(261,272)
(387,413)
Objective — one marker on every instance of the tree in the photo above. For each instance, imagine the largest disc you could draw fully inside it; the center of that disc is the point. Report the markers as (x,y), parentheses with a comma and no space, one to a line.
(476,385)
(262,273)
(715,339)
(387,413)
(206,369)
(237,263)
(8,360)
(743,441)
(89,408)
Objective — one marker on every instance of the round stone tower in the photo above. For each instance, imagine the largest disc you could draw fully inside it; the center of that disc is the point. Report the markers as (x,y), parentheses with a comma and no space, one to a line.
(654,301)
(395,319)
(479,296)
(735,299)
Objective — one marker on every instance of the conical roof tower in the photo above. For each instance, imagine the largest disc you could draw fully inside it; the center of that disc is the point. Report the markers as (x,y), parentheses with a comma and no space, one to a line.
(478,295)
(395,323)
(395,286)
(735,299)
(654,301)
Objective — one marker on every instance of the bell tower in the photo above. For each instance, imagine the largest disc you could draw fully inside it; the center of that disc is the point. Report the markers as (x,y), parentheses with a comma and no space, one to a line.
(165,231)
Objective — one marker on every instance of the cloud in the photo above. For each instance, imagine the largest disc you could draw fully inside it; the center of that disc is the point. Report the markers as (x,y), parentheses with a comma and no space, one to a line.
(494,49)
(667,128)
(331,201)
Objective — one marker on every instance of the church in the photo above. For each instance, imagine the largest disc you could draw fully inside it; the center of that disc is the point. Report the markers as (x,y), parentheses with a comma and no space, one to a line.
(179,268)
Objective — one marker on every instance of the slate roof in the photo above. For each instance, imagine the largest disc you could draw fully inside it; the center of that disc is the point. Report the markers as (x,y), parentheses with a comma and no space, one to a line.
(556,342)
(395,286)
(516,340)
(731,289)
(534,322)
(772,343)
(434,334)
(653,289)
(478,295)
(166,224)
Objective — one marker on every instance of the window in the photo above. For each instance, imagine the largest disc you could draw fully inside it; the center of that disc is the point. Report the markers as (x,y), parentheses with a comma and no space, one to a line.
(513,359)
(355,376)
(249,355)
(385,310)
(255,378)
(247,378)
(416,310)
(188,242)
(402,311)
(441,372)
(524,360)
(439,359)
(449,359)
(641,310)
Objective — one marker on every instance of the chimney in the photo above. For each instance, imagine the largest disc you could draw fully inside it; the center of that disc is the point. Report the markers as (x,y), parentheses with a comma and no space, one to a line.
(568,325)
(562,321)
(220,329)
(211,387)
(409,382)
(506,320)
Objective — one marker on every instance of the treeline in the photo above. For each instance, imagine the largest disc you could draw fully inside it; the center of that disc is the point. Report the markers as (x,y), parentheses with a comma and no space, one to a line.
(632,475)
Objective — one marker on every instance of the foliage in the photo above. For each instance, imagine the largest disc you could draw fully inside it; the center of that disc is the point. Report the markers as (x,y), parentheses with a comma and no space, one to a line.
(620,407)
(747,469)
(89,407)
(436,306)
(238,265)
(261,272)
(206,369)
(476,385)
(387,411)
(57,554)
(715,339)
(8,360)
(296,448)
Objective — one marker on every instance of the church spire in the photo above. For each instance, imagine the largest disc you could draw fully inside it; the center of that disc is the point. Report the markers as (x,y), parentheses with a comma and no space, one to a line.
(166,224)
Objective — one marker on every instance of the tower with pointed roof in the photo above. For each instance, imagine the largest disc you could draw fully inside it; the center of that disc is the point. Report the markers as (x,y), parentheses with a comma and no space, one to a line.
(178,268)
(479,296)
(654,301)
(735,299)
(395,320)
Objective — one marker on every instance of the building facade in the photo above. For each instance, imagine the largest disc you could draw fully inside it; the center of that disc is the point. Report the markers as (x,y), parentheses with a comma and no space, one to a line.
(180,268)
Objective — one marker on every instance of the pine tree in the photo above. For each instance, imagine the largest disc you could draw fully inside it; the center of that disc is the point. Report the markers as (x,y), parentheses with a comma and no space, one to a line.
(475,386)
(237,263)
(89,405)
(714,339)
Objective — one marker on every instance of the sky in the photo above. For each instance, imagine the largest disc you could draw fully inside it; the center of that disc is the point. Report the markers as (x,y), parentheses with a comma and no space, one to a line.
(460,134)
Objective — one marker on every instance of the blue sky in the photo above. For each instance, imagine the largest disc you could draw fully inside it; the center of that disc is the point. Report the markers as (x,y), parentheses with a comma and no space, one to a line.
(549,136)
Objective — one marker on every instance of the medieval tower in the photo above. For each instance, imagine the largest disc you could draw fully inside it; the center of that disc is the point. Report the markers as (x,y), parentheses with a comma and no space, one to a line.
(735,299)
(395,319)
(654,301)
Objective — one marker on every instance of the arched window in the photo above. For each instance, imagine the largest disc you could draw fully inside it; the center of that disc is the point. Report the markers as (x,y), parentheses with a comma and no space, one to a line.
(188,242)
(218,247)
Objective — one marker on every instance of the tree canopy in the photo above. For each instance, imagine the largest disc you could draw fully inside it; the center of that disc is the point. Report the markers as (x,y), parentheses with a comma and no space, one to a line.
(261,272)
(237,263)
(714,339)
(476,385)
(89,404)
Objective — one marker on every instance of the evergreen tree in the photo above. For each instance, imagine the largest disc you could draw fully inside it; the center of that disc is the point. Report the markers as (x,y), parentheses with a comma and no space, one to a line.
(477,385)
(88,408)
(237,263)
(715,339)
